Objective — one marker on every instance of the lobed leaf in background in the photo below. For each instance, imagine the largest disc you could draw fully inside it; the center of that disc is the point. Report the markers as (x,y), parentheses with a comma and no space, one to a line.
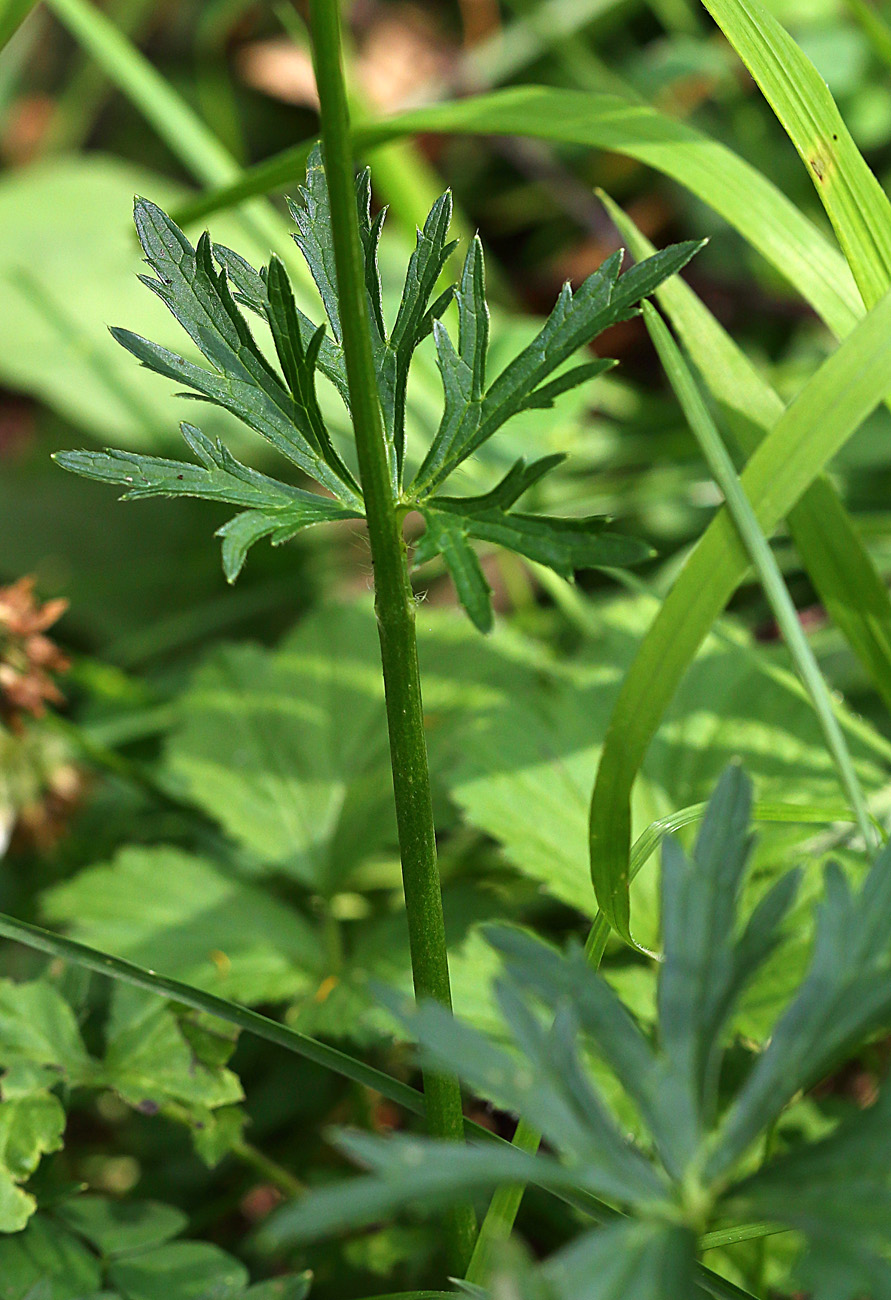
(195,922)
(695,1167)
(526,767)
(154,1058)
(126,1250)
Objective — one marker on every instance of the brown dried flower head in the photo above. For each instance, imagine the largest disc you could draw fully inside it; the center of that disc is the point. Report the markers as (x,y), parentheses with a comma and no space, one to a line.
(27,655)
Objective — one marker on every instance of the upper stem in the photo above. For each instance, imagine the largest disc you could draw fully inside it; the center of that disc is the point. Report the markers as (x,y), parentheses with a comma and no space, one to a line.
(394,601)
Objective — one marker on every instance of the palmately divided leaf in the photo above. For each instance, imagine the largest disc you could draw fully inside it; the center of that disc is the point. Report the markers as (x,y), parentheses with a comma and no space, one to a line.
(312,216)
(298,360)
(242,380)
(472,416)
(278,509)
(407,1172)
(249,288)
(700,896)
(562,544)
(447,535)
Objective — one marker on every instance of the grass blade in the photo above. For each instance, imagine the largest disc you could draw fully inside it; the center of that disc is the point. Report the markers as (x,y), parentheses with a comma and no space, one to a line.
(12,14)
(832,552)
(830,408)
(737,191)
(854,201)
(762,558)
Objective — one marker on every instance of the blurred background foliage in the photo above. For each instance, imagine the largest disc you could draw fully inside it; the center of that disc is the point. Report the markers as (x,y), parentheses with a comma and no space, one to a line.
(212,798)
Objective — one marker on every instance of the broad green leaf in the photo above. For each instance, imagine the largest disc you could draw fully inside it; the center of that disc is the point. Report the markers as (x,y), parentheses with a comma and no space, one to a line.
(828,410)
(183,1270)
(69,261)
(296,1287)
(47,1255)
(288,749)
(30,1127)
(738,192)
(526,767)
(217,1132)
(151,1058)
(121,1227)
(344,1005)
(828,544)
(193,922)
(854,201)
(38,1027)
(625,1261)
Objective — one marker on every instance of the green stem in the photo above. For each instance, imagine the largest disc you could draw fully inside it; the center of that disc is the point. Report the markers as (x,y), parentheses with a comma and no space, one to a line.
(763,560)
(394,602)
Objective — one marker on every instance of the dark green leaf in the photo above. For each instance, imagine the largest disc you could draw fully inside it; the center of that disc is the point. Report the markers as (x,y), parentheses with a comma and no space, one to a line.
(183,1270)
(447,535)
(313,218)
(472,416)
(697,978)
(562,544)
(298,360)
(545,1083)
(557,979)
(121,1227)
(45,1262)
(408,1173)
(242,380)
(250,290)
(280,509)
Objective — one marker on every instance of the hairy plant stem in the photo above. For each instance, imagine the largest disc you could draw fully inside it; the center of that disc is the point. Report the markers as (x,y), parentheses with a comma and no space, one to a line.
(394,603)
